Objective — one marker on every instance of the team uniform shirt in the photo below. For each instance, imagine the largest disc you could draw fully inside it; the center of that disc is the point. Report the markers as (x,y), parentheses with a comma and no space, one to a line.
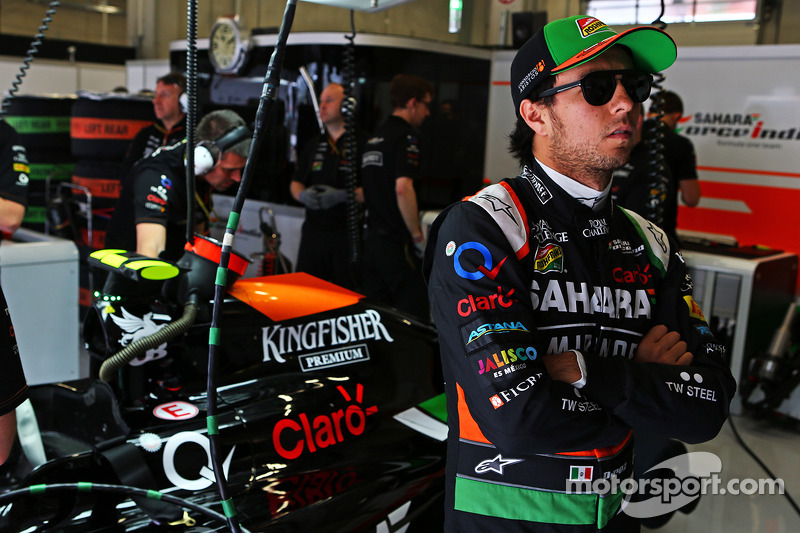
(523,269)
(13,388)
(149,139)
(393,152)
(156,194)
(324,246)
(14,167)
(682,161)
(322,163)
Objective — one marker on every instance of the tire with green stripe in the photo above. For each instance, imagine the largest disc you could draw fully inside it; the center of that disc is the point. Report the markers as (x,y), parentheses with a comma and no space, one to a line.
(104,124)
(48,169)
(42,122)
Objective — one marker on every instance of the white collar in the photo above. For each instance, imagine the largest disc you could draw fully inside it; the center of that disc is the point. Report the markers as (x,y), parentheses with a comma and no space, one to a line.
(585,195)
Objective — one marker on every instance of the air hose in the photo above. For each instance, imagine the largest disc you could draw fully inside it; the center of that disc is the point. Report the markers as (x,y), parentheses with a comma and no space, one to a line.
(128,491)
(32,51)
(191,113)
(268,95)
(351,144)
(108,370)
(655,169)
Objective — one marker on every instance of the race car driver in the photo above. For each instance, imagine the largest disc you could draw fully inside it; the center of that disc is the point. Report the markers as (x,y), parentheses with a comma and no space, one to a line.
(564,321)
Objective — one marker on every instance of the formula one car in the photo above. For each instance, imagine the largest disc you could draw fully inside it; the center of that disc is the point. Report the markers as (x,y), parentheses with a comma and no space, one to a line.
(318,392)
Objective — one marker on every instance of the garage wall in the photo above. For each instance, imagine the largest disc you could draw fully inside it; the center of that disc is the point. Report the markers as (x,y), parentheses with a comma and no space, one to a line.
(151,25)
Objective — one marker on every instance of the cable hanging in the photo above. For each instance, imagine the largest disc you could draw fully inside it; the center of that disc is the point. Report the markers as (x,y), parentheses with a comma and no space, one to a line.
(32,51)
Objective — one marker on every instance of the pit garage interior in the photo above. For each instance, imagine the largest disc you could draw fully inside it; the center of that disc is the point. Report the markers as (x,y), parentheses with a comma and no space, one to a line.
(382,464)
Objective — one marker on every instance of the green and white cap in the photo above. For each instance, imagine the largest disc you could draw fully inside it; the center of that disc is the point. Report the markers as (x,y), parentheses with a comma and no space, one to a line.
(569,42)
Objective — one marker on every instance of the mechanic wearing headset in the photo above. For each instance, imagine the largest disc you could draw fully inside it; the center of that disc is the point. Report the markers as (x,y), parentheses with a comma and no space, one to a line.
(170,127)
(150,215)
(565,321)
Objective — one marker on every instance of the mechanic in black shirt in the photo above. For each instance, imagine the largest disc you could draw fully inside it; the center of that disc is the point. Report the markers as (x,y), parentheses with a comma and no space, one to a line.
(390,168)
(171,125)
(13,388)
(14,178)
(681,159)
(150,215)
(319,183)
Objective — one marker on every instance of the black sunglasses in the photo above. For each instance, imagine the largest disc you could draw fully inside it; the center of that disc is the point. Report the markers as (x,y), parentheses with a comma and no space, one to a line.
(598,87)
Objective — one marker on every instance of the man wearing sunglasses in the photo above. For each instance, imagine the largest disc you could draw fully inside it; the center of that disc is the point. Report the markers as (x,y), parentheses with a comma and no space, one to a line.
(566,322)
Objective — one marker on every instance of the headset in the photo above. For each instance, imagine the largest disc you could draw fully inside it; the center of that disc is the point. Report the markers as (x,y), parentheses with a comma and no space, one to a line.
(207,153)
(183,101)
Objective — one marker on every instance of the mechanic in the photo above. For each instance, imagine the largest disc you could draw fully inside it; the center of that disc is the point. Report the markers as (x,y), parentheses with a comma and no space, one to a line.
(390,169)
(171,125)
(319,183)
(14,178)
(681,159)
(13,387)
(150,215)
(565,321)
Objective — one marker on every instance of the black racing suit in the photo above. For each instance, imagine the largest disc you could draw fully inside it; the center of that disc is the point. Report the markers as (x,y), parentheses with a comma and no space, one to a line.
(521,270)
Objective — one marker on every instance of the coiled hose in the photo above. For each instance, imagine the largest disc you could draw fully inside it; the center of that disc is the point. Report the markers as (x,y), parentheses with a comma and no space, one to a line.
(655,169)
(351,144)
(32,51)
(108,370)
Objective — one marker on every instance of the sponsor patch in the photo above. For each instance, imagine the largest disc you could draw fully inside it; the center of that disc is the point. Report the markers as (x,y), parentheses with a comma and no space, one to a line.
(494,327)
(374,159)
(495,464)
(694,309)
(580,473)
(542,192)
(508,395)
(472,303)
(506,361)
(543,233)
(549,258)
(589,25)
(488,268)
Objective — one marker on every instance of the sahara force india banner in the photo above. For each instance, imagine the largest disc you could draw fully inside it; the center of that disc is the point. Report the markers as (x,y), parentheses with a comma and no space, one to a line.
(742,112)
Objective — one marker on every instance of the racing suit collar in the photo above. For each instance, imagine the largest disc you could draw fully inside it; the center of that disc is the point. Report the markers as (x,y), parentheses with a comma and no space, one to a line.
(564,207)
(589,197)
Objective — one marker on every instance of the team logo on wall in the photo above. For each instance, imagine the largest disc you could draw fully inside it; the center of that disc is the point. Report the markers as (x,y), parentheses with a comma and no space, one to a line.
(549,258)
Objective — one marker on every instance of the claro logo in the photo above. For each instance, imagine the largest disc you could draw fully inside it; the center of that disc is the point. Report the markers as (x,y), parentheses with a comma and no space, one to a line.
(471,303)
(293,437)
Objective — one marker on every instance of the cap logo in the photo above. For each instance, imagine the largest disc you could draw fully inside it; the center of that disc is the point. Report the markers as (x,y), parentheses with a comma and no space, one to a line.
(589,25)
(531,76)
